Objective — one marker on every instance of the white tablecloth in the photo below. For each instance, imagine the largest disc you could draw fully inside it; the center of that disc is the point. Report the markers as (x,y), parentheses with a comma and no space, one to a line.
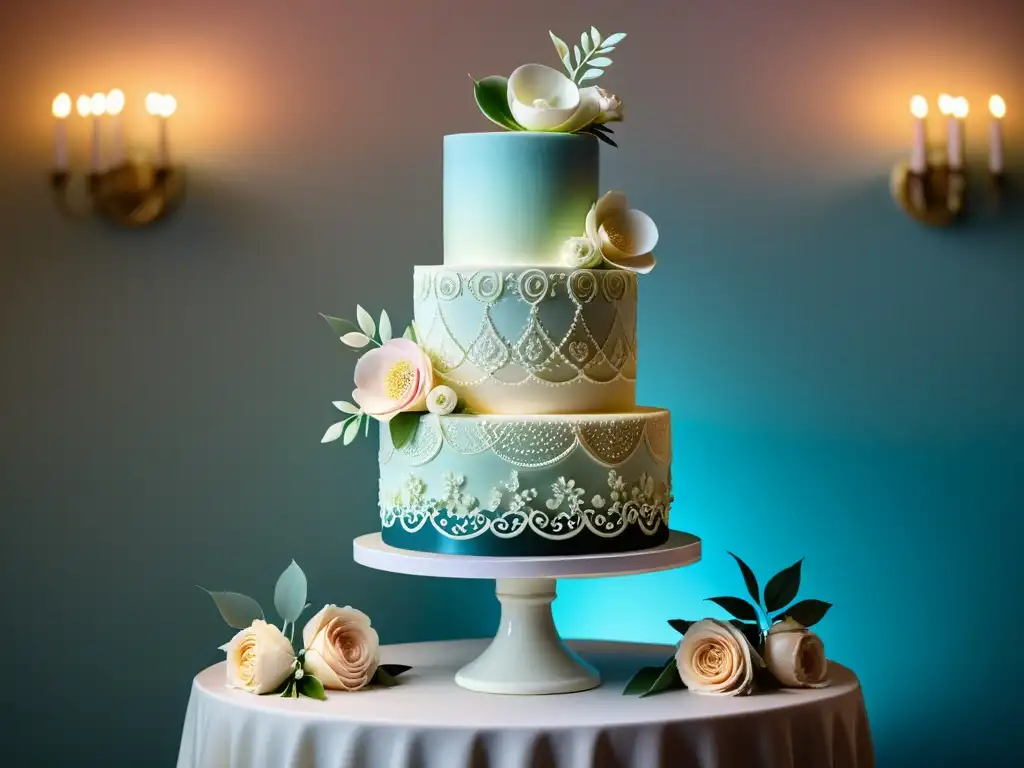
(429,722)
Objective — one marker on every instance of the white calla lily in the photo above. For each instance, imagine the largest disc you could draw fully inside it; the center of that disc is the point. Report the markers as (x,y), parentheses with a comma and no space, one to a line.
(542,98)
(625,236)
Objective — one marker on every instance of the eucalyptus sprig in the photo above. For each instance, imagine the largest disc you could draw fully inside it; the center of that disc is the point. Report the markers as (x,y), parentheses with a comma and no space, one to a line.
(754,618)
(589,55)
(358,335)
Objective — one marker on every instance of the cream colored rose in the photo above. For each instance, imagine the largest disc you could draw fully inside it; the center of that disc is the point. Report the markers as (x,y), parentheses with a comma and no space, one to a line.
(796,656)
(342,649)
(580,253)
(260,658)
(611,107)
(715,658)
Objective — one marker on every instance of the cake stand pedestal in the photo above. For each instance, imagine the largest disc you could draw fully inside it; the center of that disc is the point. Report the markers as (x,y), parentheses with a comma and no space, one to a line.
(527,656)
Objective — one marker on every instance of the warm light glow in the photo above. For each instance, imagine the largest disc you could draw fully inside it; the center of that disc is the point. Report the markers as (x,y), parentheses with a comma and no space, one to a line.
(168,106)
(98,104)
(115,102)
(62,106)
(960,108)
(84,106)
(154,103)
(919,107)
(946,104)
(997,106)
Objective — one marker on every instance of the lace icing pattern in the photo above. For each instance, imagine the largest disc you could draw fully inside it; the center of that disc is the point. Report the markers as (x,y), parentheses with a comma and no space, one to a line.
(532,444)
(512,509)
(536,356)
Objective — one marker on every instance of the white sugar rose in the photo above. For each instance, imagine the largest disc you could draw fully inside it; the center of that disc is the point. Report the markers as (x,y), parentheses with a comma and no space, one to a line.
(342,649)
(715,658)
(796,656)
(580,253)
(610,105)
(442,400)
(260,658)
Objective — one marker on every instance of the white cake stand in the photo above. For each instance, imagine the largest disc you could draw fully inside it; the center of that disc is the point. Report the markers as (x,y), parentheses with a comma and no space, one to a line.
(527,656)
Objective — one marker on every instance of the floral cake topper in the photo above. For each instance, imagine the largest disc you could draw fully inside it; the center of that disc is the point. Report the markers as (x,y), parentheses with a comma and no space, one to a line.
(536,97)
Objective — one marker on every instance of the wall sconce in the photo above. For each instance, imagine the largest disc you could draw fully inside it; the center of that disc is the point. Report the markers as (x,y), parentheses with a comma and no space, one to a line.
(931,185)
(125,192)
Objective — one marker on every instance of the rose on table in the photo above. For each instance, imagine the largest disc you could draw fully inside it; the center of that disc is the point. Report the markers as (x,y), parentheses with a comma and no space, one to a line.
(340,649)
(767,644)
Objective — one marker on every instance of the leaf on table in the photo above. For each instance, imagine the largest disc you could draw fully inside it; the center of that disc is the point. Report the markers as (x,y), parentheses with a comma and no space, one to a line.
(238,611)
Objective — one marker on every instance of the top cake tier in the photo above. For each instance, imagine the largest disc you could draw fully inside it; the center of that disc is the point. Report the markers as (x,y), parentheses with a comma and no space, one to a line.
(513,199)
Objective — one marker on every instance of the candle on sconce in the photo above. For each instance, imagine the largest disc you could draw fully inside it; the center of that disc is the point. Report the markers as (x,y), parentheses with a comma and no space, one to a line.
(61,109)
(997,106)
(115,105)
(957,112)
(97,108)
(919,146)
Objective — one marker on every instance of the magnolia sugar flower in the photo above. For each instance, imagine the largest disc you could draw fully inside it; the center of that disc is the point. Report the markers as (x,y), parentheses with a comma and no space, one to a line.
(610,106)
(624,236)
(796,656)
(259,658)
(543,99)
(393,378)
(715,658)
(442,400)
(342,649)
(580,253)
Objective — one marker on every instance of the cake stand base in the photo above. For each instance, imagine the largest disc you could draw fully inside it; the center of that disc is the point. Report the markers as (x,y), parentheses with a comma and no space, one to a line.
(527,657)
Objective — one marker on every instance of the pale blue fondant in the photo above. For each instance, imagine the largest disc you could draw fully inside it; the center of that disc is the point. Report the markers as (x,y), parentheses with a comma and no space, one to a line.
(531,340)
(513,198)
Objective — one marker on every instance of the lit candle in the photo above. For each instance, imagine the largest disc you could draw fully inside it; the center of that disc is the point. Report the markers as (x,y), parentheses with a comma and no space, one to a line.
(61,109)
(162,106)
(97,108)
(958,109)
(997,106)
(919,147)
(115,105)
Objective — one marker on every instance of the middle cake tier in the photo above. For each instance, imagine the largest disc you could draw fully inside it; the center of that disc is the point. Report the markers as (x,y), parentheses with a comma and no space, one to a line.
(531,340)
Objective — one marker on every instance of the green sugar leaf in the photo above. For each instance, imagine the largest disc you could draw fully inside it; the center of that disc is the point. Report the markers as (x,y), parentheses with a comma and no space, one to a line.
(739,608)
(310,686)
(339,326)
(642,681)
(577,54)
(591,74)
(668,680)
(351,431)
(749,579)
(492,97)
(384,327)
(782,587)
(290,591)
(585,42)
(562,49)
(403,427)
(410,333)
(600,61)
(346,407)
(238,611)
(680,625)
(366,324)
(609,49)
(615,39)
(595,37)
(333,432)
(605,138)
(807,612)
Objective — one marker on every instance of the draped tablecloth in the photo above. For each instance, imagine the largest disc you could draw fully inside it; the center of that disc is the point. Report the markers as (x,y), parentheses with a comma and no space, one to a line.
(429,722)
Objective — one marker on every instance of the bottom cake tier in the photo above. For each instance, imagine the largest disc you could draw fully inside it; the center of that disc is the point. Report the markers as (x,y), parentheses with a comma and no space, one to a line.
(520,485)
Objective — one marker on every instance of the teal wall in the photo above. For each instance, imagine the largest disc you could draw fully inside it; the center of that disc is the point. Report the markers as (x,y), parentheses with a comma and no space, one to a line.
(846,385)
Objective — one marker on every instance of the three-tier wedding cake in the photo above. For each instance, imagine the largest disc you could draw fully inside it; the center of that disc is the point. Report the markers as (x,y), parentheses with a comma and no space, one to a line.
(510,424)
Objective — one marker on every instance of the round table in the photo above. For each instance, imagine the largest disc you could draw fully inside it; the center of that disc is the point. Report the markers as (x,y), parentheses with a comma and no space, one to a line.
(430,722)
